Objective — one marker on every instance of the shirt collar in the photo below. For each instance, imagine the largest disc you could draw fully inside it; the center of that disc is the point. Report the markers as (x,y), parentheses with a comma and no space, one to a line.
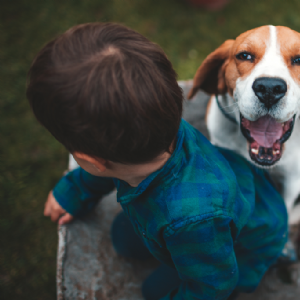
(127,193)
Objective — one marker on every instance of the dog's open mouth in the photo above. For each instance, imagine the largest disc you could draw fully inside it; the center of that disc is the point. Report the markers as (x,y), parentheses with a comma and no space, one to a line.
(266,137)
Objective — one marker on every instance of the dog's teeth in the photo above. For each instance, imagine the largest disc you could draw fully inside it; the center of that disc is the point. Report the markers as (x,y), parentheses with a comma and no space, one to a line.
(255,151)
(275,152)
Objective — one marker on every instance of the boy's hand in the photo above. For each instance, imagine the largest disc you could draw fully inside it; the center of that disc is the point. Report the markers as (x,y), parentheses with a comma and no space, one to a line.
(55,211)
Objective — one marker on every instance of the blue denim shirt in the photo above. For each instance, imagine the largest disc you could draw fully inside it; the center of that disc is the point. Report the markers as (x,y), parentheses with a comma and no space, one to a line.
(208,213)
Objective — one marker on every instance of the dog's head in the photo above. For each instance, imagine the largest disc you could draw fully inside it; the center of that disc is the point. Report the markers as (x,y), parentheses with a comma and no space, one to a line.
(261,71)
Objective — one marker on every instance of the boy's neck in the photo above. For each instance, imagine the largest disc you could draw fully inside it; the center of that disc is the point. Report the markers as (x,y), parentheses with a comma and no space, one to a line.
(135,174)
(132,174)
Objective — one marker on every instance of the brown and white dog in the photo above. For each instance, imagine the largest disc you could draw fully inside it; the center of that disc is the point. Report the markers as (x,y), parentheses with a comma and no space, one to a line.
(257,80)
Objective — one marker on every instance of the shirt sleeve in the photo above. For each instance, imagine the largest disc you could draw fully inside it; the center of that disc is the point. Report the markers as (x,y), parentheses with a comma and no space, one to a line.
(79,191)
(204,257)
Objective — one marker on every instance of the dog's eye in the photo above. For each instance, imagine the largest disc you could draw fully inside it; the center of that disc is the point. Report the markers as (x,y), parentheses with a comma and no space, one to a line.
(245,56)
(296,60)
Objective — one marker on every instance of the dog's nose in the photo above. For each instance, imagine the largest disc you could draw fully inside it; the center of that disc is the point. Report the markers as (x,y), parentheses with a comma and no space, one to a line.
(269,90)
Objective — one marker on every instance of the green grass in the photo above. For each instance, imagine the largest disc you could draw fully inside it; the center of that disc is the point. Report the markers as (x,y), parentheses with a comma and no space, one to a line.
(31,161)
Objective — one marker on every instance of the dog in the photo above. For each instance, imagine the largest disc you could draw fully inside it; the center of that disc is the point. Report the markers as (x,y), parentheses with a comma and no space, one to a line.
(254,110)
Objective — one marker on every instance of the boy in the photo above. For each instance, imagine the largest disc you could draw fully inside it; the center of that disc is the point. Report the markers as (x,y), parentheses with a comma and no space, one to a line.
(111,98)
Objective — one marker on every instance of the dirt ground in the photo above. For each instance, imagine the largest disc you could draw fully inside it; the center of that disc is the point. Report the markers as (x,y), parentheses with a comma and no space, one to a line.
(88,268)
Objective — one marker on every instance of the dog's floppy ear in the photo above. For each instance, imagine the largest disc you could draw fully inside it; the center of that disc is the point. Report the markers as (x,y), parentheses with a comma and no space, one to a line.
(210,75)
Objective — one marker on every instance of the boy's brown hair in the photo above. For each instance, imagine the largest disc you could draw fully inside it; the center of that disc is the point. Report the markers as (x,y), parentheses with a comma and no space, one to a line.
(105,90)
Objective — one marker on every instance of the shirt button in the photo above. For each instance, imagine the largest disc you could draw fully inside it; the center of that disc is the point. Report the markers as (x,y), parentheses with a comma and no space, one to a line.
(144,234)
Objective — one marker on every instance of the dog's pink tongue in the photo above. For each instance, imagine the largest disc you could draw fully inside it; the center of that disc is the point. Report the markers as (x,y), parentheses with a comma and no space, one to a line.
(265,131)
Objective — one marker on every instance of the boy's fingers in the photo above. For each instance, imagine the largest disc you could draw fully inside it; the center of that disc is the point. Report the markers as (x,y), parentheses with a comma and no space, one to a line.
(49,204)
(47,210)
(67,218)
(55,214)
(52,208)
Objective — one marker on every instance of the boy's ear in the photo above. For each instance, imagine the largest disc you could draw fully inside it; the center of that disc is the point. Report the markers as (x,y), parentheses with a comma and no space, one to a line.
(99,163)
(210,76)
